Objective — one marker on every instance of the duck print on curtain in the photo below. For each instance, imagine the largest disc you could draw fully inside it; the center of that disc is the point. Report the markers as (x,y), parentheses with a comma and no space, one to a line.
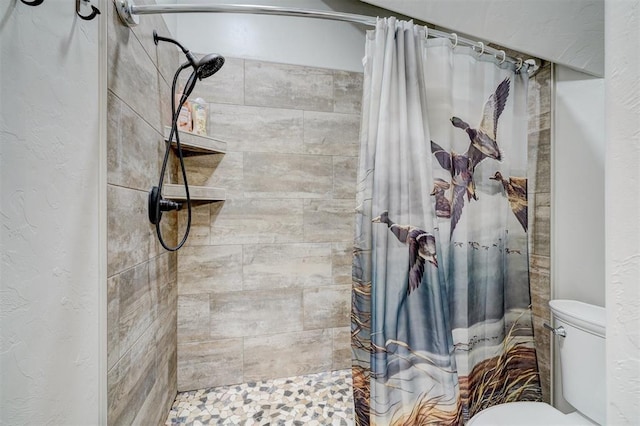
(441,320)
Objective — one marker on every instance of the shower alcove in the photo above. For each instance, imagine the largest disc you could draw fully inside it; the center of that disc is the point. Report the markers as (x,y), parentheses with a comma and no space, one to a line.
(262,287)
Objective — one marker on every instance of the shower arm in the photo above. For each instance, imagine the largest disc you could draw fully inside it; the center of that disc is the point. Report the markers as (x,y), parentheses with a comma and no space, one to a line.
(129,14)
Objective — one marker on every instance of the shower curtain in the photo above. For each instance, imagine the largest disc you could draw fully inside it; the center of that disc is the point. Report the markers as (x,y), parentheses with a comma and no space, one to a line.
(441,322)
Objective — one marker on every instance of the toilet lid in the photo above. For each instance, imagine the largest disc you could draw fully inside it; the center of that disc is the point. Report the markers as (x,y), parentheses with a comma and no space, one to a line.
(524,414)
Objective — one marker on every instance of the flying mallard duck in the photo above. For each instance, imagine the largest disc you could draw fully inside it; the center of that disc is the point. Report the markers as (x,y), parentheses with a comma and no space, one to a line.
(422,246)
(461,178)
(483,139)
(516,189)
(443,205)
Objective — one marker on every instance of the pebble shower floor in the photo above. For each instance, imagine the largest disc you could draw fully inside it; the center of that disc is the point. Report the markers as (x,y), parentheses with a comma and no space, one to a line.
(314,399)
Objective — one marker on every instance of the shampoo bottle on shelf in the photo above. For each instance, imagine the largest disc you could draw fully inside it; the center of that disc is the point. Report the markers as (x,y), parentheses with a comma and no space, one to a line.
(200,113)
(185,121)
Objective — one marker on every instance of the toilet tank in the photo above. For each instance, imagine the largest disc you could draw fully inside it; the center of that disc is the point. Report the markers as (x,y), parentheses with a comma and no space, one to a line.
(582,356)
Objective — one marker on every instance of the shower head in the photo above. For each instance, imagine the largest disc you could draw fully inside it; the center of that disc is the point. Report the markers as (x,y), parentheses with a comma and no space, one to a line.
(208,65)
(203,67)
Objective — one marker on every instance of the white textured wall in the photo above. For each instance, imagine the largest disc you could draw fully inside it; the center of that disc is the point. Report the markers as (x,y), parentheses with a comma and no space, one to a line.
(289,40)
(622,44)
(49,211)
(568,32)
(578,187)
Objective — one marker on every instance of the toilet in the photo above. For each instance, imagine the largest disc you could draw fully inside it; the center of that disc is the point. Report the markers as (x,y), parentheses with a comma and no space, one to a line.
(582,362)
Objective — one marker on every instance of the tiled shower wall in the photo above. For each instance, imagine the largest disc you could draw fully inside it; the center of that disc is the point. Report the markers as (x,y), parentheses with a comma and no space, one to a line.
(539,217)
(141,318)
(264,281)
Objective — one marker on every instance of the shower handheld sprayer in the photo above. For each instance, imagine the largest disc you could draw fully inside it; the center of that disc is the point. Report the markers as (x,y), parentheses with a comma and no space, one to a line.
(202,68)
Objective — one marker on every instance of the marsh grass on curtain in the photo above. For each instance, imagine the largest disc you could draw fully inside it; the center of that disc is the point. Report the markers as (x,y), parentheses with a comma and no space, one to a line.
(441,322)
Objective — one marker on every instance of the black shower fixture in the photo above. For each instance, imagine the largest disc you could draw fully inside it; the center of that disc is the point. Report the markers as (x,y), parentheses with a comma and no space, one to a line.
(202,68)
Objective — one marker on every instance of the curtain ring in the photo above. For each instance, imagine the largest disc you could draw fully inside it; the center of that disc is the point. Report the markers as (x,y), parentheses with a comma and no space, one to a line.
(481,45)
(455,40)
(520,63)
(504,56)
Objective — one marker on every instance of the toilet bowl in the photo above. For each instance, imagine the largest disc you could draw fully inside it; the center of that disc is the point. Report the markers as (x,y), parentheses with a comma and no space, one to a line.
(581,342)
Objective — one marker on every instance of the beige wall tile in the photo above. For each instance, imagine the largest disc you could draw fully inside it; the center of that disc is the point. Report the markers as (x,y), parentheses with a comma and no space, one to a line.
(288,354)
(539,270)
(255,129)
(113,321)
(194,317)
(539,122)
(542,338)
(166,340)
(542,226)
(345,171)
(274,266)
(288,86)
(114,133)
(540,160)
(200,232)
(341,260)
(163,276)
(347,91)
(152,410)
(539,101)
(328,220)
(130,381)
(132,161)
(341,348)
(159,400)
(256,221)
(210,269)
(149,414)
(327,133)
(287,176)
(209,363)
(327,307)
(252,313)
(128,228)
(136,306)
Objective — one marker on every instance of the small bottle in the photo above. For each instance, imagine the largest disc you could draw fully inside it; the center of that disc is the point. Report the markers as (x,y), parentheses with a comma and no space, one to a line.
(185,121)
(200,113)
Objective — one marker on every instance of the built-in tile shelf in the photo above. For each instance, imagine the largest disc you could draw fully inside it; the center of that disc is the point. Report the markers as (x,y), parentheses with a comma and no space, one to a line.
(197,144)
(176,192)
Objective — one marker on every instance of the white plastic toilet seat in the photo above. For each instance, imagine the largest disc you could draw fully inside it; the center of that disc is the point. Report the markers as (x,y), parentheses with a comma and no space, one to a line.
(525,414)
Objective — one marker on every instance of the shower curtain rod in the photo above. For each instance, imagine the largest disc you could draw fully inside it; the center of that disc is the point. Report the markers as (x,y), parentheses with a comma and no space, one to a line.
(129,13)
